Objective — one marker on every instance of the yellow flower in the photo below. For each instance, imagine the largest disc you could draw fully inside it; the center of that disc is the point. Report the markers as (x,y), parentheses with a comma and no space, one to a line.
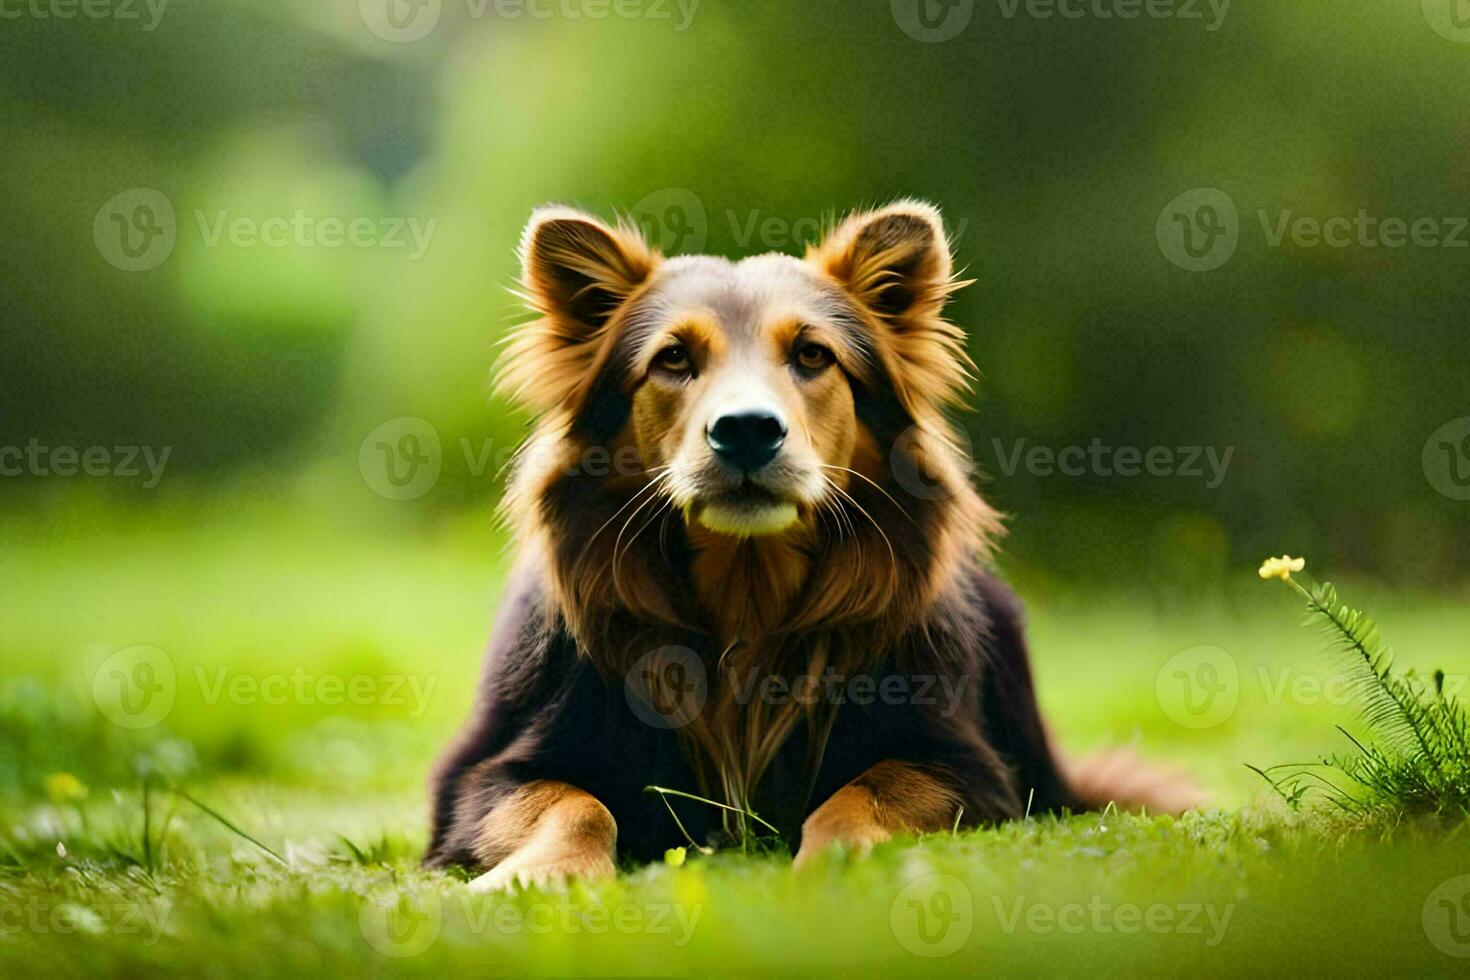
(1281,567)
(676,856)
(63,787)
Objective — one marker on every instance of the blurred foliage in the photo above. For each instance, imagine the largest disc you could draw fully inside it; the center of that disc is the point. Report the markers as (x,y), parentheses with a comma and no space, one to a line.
(1052,146)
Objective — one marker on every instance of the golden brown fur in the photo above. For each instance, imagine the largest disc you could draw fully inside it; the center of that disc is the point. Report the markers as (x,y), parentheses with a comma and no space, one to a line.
(890,798)
(545,830)
(829,587)
(748,462)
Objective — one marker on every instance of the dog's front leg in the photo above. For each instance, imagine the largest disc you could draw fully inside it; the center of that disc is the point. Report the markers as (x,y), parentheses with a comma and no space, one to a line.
(890,798)
(542,833)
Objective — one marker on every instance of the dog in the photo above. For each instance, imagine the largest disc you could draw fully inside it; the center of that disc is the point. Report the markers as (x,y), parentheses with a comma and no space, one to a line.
(747,541)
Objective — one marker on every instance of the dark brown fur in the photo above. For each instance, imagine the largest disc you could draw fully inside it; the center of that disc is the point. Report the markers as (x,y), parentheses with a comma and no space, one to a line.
(876,579)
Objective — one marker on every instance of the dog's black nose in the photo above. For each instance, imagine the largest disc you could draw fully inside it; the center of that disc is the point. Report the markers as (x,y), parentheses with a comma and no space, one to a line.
(747,440)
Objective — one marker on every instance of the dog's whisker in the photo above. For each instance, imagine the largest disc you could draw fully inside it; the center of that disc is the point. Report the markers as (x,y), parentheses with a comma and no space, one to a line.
(875,485)
(892,555)
(646,488)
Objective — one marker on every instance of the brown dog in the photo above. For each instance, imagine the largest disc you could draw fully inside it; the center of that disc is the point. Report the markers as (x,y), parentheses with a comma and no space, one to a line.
(751,566)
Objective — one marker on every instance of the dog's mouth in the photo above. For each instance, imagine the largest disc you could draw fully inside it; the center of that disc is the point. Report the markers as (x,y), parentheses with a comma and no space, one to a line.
(746,510)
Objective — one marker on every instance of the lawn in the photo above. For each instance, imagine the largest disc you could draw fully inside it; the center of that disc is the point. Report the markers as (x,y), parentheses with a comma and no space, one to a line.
(305,673)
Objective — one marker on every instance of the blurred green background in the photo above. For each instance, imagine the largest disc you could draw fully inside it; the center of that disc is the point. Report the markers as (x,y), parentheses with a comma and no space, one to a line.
(1052,145)
(265,242)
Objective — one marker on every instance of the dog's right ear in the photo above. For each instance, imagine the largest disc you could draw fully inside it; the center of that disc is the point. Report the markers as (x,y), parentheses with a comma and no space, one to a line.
(576,272)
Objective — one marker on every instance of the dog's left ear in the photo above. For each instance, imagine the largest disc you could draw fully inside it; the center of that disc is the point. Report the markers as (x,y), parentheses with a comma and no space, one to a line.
(577,272)
(895,263)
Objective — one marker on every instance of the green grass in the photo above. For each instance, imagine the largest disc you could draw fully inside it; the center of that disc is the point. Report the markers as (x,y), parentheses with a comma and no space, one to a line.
(336,788)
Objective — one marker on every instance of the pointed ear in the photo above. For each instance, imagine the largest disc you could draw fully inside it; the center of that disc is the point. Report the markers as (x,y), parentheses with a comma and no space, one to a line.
(576,272)
(895,263)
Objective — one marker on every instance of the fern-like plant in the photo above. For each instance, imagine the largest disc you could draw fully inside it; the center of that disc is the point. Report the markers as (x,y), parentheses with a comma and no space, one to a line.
(1415,758)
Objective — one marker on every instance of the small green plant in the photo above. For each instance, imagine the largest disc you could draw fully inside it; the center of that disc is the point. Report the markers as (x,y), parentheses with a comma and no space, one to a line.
(750,840)
(1416,757)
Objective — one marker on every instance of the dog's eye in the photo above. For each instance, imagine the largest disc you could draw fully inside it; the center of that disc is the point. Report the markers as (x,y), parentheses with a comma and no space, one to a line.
(674,359)
(812,358)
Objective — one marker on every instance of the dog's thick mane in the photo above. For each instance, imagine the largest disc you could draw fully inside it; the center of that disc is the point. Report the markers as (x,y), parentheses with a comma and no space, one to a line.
(626,574)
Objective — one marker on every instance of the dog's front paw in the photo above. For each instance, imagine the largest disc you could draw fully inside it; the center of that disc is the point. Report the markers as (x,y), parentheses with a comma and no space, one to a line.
(854,838)
(526,869)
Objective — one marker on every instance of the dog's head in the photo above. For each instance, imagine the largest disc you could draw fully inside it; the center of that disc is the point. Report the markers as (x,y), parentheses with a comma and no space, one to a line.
(755,393)
(776,426)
